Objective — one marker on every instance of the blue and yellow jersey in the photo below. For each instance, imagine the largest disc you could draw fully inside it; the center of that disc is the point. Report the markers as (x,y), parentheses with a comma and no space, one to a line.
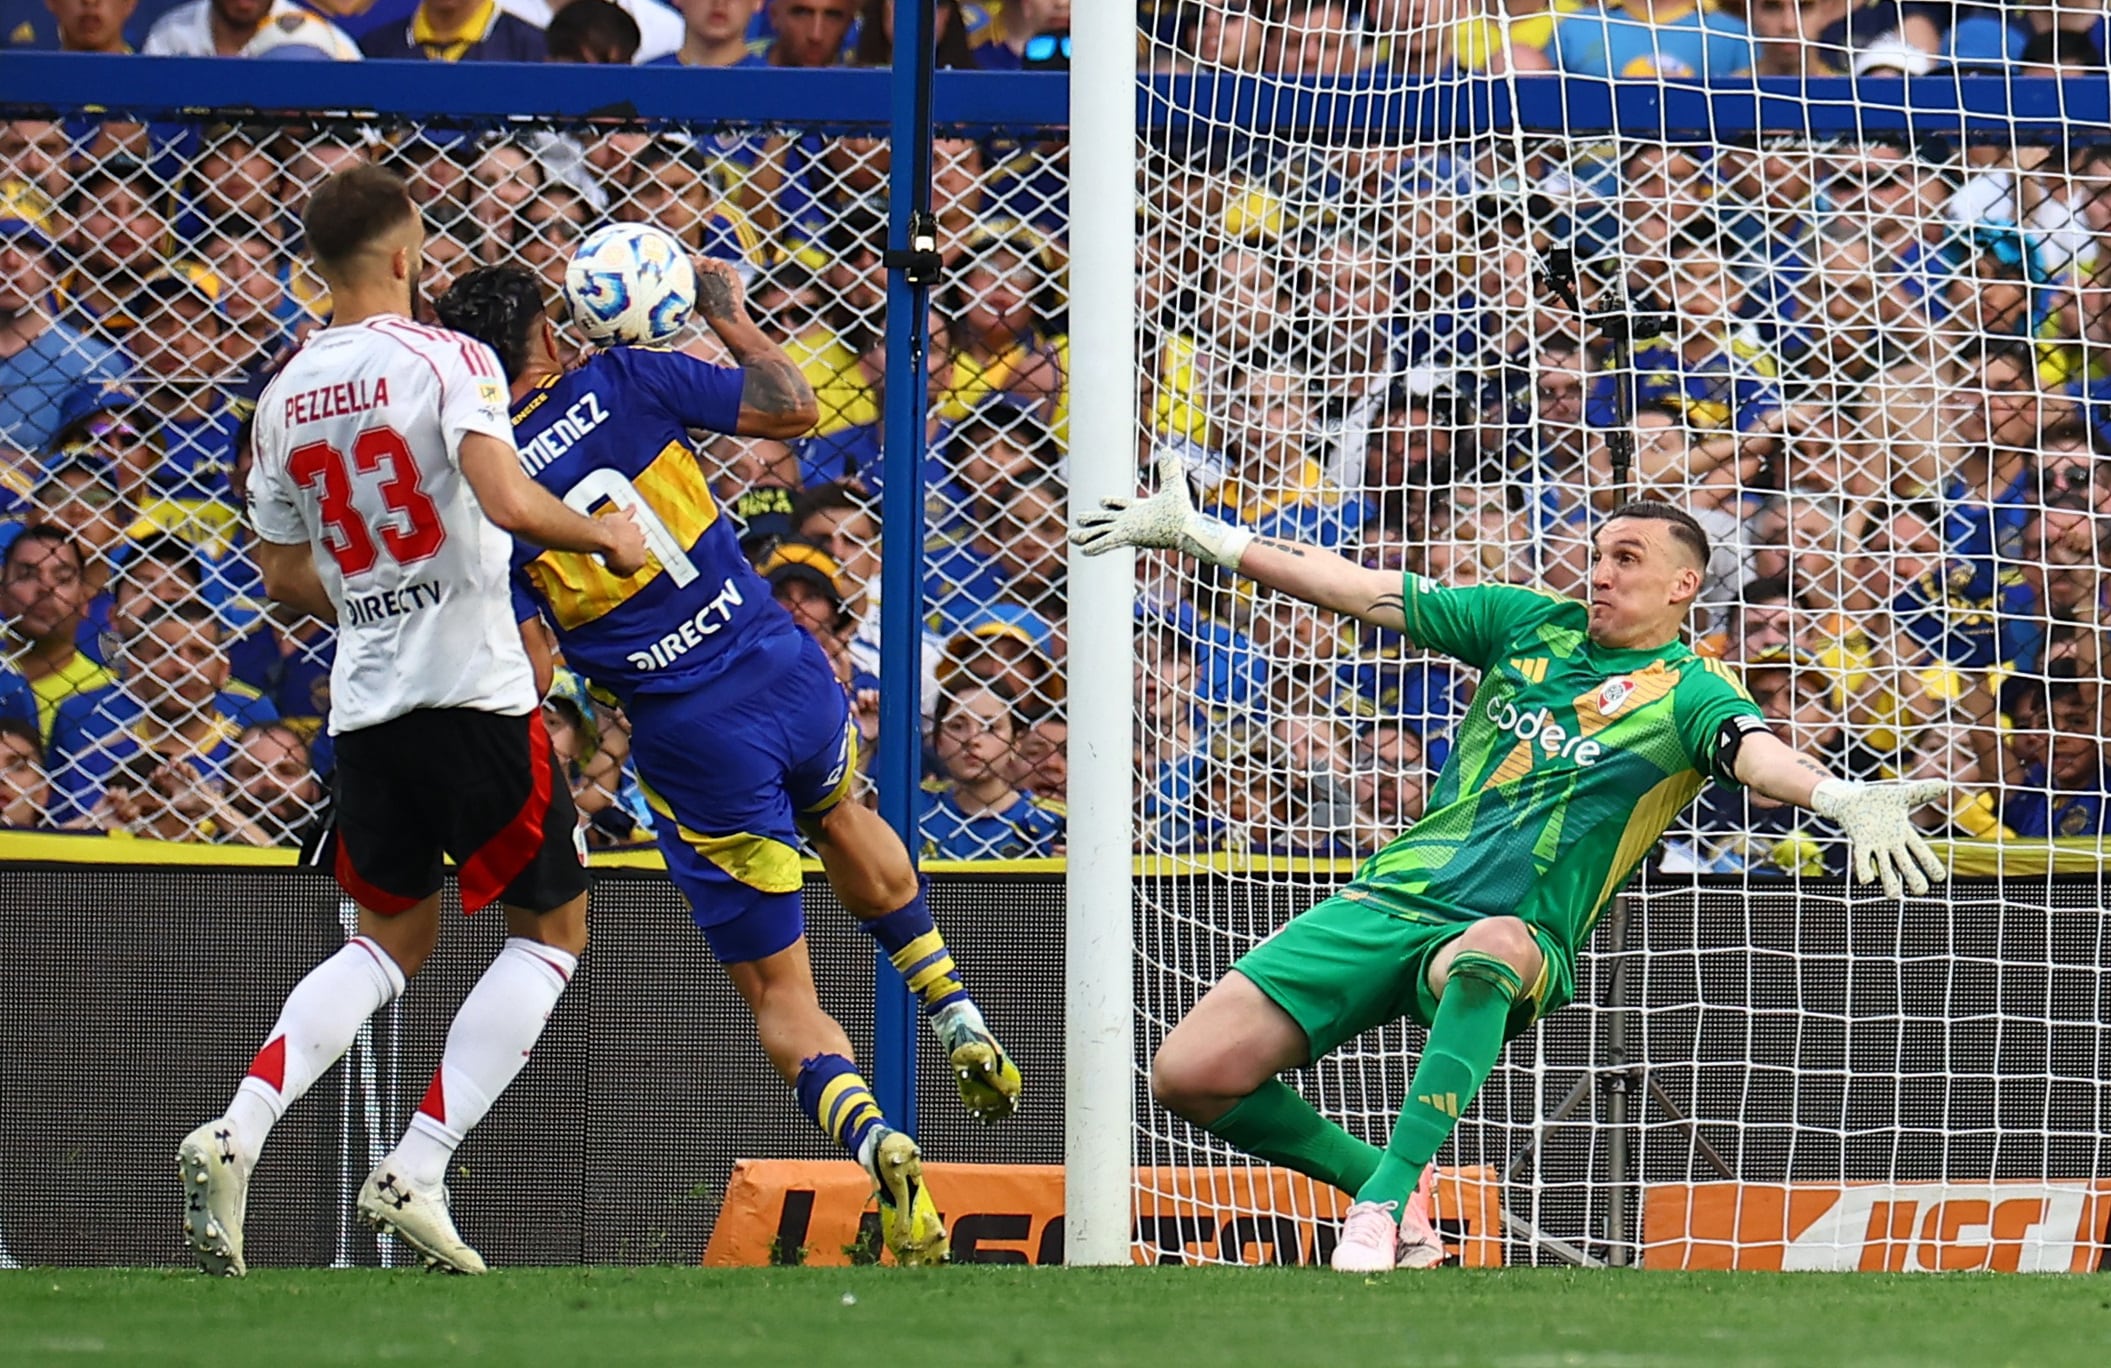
(1029,829)
(105,737)
(614,434)
(1731,389)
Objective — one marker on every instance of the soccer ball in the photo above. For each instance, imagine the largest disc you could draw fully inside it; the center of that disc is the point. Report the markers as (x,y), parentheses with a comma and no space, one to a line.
(630,283)
(297,35)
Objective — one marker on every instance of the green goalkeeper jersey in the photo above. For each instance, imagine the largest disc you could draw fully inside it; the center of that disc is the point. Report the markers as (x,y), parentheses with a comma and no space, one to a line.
(1572,761)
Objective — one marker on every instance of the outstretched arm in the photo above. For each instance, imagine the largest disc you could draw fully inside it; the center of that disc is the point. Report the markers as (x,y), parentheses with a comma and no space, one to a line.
(1877,818)
(775,399)
(1168,521)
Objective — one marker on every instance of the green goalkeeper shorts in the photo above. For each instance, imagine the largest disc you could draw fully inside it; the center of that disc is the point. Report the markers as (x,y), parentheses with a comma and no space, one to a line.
(1361,959)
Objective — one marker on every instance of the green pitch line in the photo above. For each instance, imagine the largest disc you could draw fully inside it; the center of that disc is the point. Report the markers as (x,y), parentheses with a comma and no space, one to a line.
(1064,1318)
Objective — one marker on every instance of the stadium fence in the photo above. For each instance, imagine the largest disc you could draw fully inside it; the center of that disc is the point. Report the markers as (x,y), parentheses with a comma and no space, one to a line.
(1114,259)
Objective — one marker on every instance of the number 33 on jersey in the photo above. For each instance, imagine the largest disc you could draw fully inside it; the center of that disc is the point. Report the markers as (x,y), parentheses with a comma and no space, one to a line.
(358,453)
(614,434)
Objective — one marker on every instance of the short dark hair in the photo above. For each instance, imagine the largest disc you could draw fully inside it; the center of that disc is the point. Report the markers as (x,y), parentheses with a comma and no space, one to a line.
(1765,589)
(162,551)
(51,534)
(353,209)
(831,498)
(963,684)
(585,29)
(2061,684)
(1684,530)
(499,306)
(22,729)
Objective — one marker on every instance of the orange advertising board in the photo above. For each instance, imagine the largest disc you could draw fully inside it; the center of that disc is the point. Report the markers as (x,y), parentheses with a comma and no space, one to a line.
(2029,1226)
(815,1212)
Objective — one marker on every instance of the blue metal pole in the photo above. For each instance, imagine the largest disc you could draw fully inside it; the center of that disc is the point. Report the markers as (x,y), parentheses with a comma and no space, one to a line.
(899,765)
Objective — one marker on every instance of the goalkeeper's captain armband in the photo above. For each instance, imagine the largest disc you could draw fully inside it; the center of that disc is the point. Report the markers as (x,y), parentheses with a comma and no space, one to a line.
(1729,739)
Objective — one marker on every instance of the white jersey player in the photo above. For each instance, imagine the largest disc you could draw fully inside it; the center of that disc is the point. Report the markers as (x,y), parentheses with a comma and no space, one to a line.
(385,494)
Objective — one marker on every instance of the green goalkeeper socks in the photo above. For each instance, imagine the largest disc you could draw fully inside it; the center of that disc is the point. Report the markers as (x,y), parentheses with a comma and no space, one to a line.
(1272,1122)
(1464,1042)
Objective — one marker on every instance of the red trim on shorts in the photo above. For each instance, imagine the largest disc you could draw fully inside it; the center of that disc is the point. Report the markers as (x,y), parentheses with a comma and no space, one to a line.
(365,894)
(500,860)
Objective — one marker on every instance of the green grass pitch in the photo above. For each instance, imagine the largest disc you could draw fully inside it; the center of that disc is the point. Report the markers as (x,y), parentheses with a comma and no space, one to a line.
(1162,1317)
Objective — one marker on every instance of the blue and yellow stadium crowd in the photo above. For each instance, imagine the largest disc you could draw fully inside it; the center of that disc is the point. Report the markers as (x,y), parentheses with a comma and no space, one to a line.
(1877,372)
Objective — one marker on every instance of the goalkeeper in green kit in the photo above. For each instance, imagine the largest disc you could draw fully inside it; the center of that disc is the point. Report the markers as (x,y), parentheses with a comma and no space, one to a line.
(1592,727)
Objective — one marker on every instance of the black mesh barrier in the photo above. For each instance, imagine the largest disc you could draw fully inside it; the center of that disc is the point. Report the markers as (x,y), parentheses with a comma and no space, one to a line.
(141,994)
(1803,1035)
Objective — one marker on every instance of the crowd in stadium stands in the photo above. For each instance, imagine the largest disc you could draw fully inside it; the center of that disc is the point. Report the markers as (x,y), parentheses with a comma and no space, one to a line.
(1879,381)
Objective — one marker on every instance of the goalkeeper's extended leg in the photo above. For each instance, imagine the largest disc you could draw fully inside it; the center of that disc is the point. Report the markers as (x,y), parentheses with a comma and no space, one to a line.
(809,1048)
(320,1020)
(1218,1069)
(1477,980)
(870,871)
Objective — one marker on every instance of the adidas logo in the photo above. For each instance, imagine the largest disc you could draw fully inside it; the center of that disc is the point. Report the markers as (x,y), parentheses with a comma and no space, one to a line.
(1447,1103)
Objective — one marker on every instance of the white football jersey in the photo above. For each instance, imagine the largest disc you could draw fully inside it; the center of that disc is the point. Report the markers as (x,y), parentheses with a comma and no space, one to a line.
(358,446)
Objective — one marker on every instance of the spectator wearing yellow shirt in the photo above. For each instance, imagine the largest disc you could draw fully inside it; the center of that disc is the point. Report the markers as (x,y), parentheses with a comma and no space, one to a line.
(1004,313)
(458,31)
(1422,36)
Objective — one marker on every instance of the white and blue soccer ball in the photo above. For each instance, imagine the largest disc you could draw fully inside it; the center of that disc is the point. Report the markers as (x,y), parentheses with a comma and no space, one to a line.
(296,35)
(630,283)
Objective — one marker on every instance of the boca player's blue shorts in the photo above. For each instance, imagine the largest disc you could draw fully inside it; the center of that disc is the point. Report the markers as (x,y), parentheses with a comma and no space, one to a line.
(729,770)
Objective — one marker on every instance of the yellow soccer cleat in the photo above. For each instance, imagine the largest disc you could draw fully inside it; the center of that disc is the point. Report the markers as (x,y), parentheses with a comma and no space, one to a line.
(989,1081)
(909,1220)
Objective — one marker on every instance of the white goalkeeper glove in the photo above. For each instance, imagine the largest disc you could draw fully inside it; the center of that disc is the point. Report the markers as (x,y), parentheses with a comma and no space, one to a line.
(1167,521)
(1880,832)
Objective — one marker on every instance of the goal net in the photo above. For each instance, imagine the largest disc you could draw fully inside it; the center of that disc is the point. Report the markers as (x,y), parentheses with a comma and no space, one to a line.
(1861,337)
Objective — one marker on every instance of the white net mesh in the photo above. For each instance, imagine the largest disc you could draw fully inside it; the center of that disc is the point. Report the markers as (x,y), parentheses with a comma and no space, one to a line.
(1871,367)
(153,275)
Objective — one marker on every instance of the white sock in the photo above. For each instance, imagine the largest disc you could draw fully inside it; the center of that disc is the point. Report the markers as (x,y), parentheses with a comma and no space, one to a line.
(319,1022)
(499,1023)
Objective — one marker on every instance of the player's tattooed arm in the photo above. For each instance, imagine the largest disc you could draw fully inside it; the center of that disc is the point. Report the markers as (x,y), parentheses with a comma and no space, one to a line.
(1772,768)
(775,398)
(1326,580)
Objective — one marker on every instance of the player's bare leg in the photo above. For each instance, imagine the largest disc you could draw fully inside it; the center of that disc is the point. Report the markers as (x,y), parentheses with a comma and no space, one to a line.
(810,1049)
(319,1022)
(1218,1068)
(1477,979)
(487,1046)
(869,869)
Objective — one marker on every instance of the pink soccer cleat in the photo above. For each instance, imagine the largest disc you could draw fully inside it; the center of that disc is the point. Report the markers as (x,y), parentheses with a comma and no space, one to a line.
(1420,1245)
(1370,1238)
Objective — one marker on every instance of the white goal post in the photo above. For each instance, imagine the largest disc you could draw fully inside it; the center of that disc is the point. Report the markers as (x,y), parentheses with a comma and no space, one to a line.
(1853,302)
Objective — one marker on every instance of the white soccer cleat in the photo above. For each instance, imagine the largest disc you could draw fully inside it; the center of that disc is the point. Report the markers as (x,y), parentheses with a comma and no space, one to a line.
(1370,1238)
(418,1216)
(215,1196)
(1420,1245)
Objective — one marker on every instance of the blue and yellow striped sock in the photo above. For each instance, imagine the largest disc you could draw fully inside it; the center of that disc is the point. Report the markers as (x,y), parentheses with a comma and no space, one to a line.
(917,950)
(835,1098)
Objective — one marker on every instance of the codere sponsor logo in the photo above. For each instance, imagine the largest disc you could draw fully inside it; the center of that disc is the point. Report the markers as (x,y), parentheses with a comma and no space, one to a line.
(1539,729)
